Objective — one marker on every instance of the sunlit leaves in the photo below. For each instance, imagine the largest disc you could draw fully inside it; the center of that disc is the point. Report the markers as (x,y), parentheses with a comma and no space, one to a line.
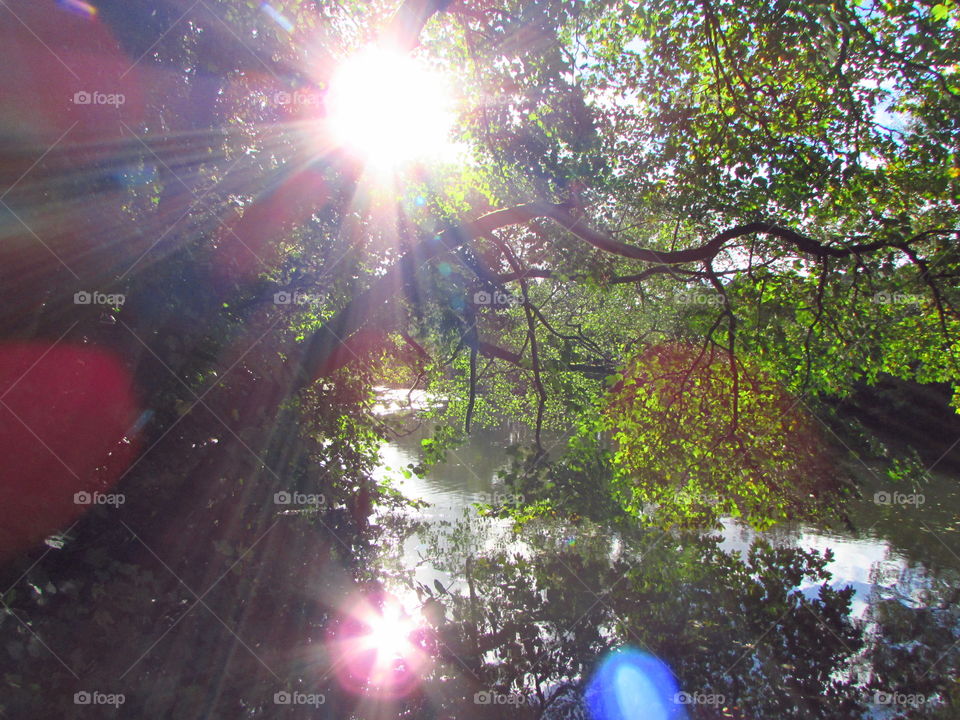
(696,437)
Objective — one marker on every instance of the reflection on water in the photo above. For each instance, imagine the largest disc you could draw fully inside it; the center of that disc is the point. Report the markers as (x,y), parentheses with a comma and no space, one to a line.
(888,556)
(884,554)
(450,490)
(488,623)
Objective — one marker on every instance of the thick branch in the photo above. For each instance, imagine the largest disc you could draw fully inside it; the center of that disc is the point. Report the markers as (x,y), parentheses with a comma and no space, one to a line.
(703,253)
(495,351)
(371,301)
(408,22)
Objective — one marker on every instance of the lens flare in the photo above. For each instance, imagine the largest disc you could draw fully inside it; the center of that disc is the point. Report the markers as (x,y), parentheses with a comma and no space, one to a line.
(78,7)
(276,16)
(380,649)
(632,685)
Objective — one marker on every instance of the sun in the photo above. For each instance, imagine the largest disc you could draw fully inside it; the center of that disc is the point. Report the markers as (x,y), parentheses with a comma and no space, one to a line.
(389,634)
(390,108)
(380,648)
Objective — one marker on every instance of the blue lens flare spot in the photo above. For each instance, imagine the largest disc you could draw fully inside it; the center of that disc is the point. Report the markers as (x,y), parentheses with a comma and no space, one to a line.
(633,685)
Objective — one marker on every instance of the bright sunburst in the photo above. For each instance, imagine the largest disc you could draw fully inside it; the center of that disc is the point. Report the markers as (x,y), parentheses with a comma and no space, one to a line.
(390,108)
(379,648)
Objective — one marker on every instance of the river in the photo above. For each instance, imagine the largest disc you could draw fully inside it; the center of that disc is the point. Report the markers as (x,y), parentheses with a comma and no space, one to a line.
(898,555)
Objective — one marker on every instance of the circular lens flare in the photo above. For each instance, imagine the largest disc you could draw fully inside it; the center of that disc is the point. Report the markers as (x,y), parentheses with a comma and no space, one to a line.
(390,108)
(630,685)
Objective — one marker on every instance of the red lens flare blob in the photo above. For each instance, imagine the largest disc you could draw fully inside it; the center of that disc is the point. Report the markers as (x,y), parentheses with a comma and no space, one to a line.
(74,85)
(69,97)
(249,241)
(379,649)
(67,417)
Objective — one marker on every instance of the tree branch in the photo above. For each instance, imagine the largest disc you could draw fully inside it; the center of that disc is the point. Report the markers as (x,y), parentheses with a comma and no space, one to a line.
(355,314)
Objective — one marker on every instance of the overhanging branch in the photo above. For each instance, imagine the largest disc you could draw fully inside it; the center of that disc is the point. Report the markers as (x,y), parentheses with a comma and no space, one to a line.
(371,301)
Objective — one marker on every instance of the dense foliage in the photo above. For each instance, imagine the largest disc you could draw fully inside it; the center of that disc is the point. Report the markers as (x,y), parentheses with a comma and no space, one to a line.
(673,237)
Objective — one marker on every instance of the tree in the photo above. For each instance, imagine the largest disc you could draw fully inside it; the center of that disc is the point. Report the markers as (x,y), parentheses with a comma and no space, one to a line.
(757,199)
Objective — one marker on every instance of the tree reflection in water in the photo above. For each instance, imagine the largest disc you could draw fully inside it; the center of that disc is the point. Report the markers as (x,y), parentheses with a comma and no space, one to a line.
(531,622)
(518,634)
